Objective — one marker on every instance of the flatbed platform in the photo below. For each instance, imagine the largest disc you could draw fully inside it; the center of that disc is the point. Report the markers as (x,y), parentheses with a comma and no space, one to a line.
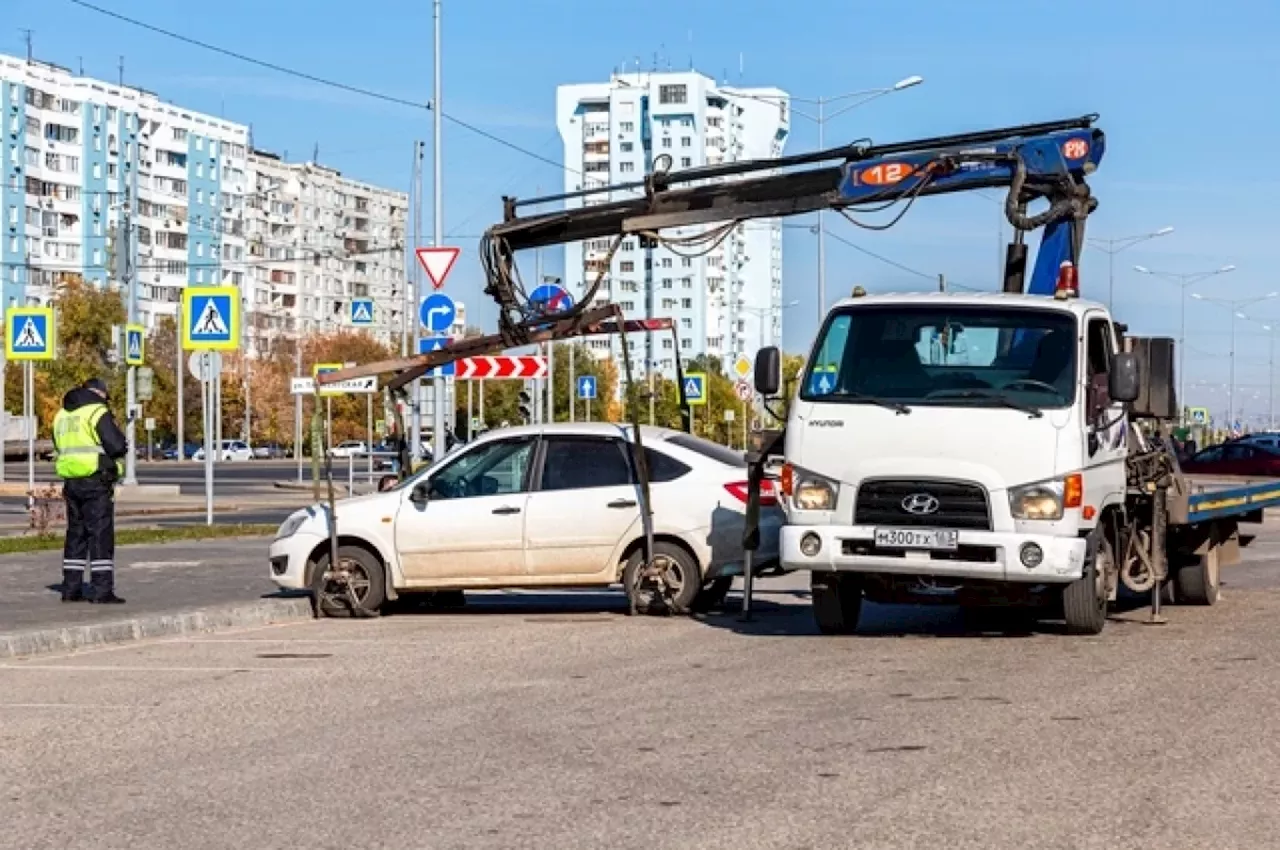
(1211,497)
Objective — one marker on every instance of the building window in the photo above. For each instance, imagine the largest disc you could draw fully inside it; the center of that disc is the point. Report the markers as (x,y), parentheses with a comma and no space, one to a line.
(627,126)
(686,142)
(686,162)
(673,94)
(627,266)
(626,147)
(626,167)
(666,141)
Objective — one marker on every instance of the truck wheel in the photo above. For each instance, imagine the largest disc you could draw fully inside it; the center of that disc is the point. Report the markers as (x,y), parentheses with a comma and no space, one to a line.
(1084,601)
(1198,583)
(712,596)
(683,580)
(364,576)
(837,603)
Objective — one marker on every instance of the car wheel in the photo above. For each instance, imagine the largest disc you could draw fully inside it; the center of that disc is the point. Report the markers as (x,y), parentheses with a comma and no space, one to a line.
(673,586)
(359,589)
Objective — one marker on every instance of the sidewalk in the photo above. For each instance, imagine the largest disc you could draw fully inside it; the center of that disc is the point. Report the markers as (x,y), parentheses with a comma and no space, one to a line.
(172,589)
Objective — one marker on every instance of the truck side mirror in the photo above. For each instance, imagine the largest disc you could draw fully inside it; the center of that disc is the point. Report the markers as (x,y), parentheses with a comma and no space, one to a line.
(421,493)
(768,376)
(1124,383)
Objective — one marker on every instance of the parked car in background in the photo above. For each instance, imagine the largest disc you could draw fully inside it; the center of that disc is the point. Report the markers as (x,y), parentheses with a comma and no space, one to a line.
(349,448)
(271,451)
(170,451)
(233,450)
(541,506)
(1238,457)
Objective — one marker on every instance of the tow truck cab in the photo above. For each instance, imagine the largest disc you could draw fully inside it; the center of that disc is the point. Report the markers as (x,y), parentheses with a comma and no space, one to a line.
(947,446)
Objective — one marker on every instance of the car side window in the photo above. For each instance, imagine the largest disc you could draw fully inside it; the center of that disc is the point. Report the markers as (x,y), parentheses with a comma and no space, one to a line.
(575,463)
(1212,455)
(499,468)
(663,467)
(1240,453)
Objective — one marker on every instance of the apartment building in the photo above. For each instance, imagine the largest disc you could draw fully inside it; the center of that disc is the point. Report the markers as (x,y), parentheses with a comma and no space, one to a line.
(81,155)
(313,241)
(726,301)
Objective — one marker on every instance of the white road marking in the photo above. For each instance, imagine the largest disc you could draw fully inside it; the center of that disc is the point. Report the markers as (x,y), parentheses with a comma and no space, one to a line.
(160,565)
(83,668)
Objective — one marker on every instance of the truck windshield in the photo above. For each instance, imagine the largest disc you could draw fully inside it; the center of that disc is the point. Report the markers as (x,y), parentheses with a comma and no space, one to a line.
(936,354)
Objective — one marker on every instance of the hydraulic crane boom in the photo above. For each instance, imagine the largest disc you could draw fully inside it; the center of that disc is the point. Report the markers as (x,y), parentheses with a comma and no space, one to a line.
(1048,161)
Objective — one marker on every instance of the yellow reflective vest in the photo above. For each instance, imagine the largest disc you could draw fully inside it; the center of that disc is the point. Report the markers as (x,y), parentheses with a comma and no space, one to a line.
(75,437)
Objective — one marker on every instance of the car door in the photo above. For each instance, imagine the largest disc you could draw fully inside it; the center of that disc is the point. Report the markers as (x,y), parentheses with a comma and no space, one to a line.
(582,507)
(471,524)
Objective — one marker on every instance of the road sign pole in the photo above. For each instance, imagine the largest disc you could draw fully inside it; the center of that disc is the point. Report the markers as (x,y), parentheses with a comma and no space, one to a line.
(470,420)
(369,423)
(206,401)
(437,211)
(28,412)
(180,425)
(573,381)
(128,279)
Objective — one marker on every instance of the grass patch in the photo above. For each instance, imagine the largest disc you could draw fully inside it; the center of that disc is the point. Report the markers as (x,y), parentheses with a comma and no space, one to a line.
(130,536)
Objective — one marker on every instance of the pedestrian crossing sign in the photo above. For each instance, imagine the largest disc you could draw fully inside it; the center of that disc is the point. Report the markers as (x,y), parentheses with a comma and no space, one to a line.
(695,389)
(210,318)
(362,311)
(133,345)
(28,333)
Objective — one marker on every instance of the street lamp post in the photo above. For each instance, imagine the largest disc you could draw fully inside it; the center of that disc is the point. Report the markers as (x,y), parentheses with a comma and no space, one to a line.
(760,313)
(1183,281)
(1114,246)
(1235,306)
(859,98)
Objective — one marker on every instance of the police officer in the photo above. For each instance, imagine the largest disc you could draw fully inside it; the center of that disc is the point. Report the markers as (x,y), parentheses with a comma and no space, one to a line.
(89,446)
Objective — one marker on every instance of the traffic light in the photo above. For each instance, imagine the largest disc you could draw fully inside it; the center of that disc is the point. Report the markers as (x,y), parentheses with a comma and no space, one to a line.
(526,406)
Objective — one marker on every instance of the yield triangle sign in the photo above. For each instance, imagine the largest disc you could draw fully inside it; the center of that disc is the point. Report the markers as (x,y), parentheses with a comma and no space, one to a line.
(29,336)
(438,262)
(211,321)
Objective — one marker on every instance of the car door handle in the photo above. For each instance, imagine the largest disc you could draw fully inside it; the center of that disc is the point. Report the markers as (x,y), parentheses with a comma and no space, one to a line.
(504,511)
(622,503)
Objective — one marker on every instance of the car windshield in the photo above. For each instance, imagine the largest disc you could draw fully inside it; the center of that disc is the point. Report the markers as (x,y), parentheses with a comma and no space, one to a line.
(905,355)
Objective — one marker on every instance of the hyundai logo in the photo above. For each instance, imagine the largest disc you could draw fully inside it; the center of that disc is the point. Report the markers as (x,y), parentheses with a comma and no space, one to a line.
(921,504)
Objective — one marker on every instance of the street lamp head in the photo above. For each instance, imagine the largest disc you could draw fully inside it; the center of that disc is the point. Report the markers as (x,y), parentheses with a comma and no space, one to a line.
(1197,296)
(908,82)
(1226,268)
(1163,231)
(1142,269)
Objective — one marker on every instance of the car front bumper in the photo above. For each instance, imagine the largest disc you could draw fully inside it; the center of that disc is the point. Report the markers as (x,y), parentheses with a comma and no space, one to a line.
(981,555)
(288,559)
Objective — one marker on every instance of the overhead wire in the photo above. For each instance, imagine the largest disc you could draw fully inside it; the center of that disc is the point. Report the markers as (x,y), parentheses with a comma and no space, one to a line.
(318,80)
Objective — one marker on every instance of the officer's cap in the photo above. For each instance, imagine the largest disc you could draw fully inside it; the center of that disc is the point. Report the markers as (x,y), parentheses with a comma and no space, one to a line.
(96,385)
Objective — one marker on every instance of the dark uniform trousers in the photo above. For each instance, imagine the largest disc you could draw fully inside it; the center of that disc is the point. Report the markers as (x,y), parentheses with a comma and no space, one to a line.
(91,535)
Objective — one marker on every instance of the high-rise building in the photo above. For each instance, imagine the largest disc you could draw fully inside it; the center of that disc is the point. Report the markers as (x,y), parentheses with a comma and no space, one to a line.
(726,301)
(86,161)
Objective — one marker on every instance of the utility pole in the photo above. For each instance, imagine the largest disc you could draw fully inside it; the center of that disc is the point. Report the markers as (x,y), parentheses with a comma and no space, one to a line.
(27,34)
(181,367)
(129,279)
(942,283)
(415,393)
(437,220)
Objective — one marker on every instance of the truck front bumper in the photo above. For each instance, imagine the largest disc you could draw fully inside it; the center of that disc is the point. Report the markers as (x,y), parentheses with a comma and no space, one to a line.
(983,555)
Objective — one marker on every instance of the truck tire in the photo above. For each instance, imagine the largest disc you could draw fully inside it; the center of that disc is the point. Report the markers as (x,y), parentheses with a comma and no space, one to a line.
(1084,601)
(1198,583)
(837,603)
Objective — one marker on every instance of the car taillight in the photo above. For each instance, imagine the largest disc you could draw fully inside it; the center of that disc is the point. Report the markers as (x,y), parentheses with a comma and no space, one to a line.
(768,493)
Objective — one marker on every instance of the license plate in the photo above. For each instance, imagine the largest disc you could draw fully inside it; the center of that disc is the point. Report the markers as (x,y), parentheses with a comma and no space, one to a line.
(916,538)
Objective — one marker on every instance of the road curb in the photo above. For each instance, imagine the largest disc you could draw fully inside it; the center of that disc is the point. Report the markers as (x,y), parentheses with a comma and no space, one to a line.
(265,612)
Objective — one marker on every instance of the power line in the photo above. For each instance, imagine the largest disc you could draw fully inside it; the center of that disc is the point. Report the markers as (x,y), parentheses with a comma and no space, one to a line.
(894,263)
(303,75)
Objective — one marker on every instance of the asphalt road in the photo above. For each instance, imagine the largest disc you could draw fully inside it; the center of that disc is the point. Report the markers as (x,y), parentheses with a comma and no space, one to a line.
(549,720)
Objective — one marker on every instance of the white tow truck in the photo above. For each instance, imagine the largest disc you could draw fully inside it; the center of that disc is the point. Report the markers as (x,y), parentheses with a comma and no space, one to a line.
(982,449)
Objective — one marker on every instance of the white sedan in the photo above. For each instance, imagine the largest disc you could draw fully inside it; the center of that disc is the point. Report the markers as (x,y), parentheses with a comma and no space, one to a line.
(539,507)
(235,450)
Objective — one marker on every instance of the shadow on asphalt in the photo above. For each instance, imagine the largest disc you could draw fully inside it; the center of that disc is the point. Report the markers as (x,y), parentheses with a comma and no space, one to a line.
(774,614)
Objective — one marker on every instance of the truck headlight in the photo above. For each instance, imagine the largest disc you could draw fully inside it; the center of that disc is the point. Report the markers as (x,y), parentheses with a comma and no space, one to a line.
(1046,500)
(290,526)
(812,492)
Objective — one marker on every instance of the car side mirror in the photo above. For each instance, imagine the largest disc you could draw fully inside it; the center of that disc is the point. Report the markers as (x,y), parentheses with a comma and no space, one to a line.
(1124,383)
(421,493)
(768,375)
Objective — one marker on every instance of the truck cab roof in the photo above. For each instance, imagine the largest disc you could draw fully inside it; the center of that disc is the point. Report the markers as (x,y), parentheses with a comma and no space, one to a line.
(1076,306)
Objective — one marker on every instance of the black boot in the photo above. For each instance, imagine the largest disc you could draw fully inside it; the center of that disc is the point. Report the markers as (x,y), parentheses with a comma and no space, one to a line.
(104,588)
(73,585)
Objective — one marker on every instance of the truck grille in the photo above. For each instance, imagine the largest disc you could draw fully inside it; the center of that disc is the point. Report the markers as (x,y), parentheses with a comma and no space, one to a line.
(958,505)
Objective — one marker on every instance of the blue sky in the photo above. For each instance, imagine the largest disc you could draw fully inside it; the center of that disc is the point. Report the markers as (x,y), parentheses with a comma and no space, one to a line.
(1188,99)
